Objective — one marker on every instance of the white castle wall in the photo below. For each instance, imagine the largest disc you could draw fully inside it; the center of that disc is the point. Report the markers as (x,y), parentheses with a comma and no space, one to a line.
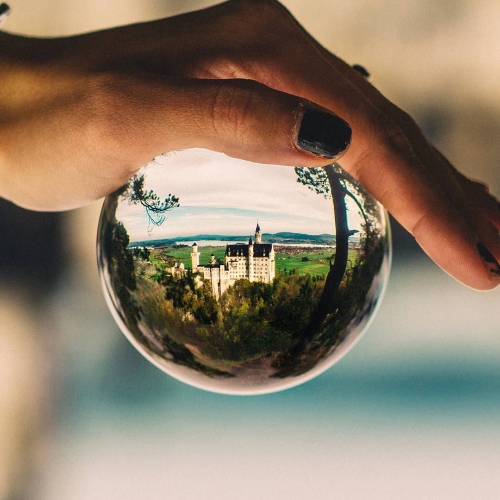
(240,263)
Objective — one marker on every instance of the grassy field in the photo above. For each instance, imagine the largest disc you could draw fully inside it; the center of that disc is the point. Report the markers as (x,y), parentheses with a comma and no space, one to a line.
(183,254)
(317,262)
(309,261)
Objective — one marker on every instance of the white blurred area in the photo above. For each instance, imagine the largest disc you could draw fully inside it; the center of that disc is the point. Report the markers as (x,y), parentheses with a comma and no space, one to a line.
(411,412)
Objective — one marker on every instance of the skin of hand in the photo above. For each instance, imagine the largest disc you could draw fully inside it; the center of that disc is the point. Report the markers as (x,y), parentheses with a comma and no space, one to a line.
(79,115)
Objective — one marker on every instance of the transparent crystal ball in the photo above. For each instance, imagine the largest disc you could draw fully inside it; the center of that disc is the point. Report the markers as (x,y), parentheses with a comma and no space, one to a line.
(242,278)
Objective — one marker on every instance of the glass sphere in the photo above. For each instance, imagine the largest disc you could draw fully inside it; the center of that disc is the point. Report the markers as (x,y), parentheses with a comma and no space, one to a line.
(242,278)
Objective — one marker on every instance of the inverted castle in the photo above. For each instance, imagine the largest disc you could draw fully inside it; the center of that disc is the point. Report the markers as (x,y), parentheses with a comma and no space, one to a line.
(254,261)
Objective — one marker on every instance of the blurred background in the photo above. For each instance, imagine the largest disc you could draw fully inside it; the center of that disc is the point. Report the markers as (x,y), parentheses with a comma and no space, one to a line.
(413,411)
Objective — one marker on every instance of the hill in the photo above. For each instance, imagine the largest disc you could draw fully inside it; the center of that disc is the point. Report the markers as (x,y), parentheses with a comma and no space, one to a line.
(283,238)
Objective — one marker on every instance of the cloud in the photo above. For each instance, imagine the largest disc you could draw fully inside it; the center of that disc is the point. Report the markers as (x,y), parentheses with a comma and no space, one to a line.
(223,195)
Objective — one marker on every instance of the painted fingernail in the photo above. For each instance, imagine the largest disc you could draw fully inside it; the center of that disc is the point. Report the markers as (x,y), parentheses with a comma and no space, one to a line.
(323,133)
(4,12)
(361,70)
(491,263)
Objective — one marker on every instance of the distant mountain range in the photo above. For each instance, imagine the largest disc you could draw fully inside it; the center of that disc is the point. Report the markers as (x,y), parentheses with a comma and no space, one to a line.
(283,238)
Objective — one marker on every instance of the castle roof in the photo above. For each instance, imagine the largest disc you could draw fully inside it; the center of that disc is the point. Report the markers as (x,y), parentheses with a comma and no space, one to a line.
(257,229)
(259,250)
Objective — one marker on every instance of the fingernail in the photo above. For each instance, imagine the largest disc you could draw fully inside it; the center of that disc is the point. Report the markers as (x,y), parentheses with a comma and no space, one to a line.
(491,263)
(361,70)
(4,12)
(323,133)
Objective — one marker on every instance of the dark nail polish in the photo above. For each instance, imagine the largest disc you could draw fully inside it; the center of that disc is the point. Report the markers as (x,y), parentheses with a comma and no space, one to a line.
(4,12)
(323,133)
(361,70)
(489,259)
(4,9)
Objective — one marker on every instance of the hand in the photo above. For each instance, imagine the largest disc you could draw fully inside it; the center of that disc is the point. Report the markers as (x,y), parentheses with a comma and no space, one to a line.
(79,115)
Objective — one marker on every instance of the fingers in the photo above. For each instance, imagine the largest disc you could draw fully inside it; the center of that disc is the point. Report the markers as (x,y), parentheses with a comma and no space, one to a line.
(479,198)
(420,189)
(182,100)
(388,153)
(395,175)
(115,123)
(240,118)
(393,160)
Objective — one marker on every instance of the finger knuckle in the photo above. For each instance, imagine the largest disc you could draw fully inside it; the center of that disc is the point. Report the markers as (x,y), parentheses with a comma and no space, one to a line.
(384,139)
(418,224)
(232,108)
(390,139)
(395,132)
(388,142)
(269,33)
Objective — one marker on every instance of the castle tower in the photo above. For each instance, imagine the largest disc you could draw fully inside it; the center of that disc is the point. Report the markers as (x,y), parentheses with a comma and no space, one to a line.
(272,265)
(251,274)
(195,257)
(258,235)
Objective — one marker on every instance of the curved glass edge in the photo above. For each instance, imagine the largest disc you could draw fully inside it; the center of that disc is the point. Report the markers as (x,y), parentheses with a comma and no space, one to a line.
(276,385)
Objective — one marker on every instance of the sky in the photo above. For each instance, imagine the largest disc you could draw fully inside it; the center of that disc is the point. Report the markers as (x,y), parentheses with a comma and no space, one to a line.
(227,196)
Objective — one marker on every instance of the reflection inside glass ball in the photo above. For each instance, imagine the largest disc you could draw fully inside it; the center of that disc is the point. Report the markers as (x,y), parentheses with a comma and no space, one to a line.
(242,278)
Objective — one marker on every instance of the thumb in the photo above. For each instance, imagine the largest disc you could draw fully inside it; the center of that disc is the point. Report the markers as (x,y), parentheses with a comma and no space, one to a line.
(241,118)
(92,134)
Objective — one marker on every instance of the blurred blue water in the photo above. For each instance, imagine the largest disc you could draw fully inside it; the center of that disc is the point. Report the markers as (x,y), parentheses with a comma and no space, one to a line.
(410,376)
(411,412)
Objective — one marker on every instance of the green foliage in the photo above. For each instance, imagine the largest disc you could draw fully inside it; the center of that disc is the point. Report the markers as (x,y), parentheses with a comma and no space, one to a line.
(193,296)
(122,272)
(249,321)
(141,253)
(315,179)
(155,207)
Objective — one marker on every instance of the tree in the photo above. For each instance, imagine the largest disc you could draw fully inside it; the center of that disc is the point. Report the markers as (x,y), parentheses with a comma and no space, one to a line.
(338,305)
(118,260)
(155,207)
(333,181)
(142,253)
(117,256)
(327,182)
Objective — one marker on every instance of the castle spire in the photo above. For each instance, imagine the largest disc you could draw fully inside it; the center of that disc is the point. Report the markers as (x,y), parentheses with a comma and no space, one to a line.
(258,235)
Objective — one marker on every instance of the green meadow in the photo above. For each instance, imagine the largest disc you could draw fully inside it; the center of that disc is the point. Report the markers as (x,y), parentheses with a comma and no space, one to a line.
(312,261)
